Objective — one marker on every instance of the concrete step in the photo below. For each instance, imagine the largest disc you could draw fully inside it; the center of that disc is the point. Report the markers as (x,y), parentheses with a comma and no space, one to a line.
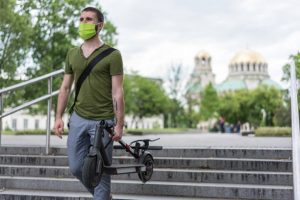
(216,163)
(182,189)
(17,150)
(219,153)
(163,174)
(35,171)
(216,176)
(9,194)
(17,194)
(164,162)
(34,160)
(214,190)
(261,153)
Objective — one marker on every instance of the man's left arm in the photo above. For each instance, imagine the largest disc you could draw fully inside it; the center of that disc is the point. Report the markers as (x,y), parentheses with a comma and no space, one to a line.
(118,102)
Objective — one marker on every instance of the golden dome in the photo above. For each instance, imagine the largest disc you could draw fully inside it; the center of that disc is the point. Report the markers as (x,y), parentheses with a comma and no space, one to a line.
(247,56)
(203,54)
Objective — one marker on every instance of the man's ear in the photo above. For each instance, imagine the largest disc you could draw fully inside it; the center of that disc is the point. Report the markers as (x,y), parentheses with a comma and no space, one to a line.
(100,26)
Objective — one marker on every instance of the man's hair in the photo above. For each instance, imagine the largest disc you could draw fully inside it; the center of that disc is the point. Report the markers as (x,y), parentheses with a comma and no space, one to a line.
(99,14)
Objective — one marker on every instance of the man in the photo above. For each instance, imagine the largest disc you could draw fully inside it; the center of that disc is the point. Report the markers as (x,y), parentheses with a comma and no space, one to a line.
(100,97)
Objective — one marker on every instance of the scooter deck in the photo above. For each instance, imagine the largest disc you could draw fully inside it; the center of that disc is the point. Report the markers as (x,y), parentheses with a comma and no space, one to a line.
(124,169)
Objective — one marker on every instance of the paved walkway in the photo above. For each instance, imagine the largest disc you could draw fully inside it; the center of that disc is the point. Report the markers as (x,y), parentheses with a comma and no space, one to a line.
(192,140)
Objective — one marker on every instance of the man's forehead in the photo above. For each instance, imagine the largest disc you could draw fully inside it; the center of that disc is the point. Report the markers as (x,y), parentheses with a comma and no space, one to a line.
(88,14)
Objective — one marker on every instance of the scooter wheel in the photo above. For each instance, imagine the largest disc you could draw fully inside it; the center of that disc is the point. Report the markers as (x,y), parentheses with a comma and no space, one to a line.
(148,161)
(90,177)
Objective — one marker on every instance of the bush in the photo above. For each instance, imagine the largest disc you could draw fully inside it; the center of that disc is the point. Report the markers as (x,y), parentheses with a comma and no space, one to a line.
(30,132)
(273,131)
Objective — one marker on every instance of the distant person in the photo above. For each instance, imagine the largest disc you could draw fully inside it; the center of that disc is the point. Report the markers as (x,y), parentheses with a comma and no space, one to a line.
(222,124)
(238,126)
(100,97)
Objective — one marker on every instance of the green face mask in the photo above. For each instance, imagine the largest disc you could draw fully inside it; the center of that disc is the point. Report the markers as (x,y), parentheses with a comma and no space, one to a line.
(87,31)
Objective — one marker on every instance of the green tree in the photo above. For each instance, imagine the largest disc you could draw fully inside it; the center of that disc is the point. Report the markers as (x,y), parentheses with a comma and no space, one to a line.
(144,97)
(286,67)
(39,33)
(56,31)
(175,115)
(209,102)
(230,107)
(192,115)
(267,100)
(251,105)
(15,37)
(287,74)
(282,115)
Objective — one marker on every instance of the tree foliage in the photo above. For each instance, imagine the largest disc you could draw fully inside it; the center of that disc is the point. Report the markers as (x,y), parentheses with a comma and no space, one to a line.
(286,73)
(35,37)
(286,67)
(257,107)
(209,102)
(175,116)
(15,39)
(144,97)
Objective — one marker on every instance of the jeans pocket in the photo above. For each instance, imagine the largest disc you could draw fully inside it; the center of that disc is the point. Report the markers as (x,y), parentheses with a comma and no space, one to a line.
(70,120)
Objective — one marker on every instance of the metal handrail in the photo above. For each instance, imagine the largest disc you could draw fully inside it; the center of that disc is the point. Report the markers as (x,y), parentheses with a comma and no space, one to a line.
(29,82)
(27,104)
(295,132)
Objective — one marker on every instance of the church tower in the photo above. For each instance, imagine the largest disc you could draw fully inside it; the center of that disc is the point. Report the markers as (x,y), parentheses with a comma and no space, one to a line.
(203,68)
(201,76)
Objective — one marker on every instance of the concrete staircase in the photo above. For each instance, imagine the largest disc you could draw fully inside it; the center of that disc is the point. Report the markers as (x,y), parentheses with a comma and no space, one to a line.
(180,173)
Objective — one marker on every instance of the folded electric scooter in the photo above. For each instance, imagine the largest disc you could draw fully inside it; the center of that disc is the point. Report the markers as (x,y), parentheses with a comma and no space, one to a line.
(97,162)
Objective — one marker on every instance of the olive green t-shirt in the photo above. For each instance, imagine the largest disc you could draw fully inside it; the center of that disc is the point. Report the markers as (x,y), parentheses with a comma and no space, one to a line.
(94,100)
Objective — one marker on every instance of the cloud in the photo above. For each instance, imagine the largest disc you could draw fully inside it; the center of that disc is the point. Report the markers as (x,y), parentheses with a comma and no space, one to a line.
(155,34)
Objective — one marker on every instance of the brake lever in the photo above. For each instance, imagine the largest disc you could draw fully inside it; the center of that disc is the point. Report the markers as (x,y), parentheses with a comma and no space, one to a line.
(144,140)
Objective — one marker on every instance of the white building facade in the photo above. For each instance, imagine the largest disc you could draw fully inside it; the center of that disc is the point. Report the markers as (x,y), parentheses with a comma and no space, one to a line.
(23,121)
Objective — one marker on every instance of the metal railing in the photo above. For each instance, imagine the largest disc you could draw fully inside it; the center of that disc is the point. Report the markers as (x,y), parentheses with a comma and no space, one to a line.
(295,131)
(27,104)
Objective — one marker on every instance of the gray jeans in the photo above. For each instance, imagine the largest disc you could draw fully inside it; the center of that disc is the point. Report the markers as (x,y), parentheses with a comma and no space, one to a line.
(81,136)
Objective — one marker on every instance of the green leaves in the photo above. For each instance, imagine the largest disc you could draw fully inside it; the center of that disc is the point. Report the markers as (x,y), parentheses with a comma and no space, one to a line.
(15,36)
(255,106)
(35,36)
(286,67)
(209,102)
(144,97)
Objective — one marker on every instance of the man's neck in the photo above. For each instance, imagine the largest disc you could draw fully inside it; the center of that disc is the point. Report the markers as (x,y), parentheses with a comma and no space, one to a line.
(93,43)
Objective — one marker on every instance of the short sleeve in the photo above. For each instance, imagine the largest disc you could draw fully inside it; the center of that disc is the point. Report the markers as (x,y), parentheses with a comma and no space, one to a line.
(116,63)
(68,66)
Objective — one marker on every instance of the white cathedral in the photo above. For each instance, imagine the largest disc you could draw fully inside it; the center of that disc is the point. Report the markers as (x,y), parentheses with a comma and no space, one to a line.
(247,69)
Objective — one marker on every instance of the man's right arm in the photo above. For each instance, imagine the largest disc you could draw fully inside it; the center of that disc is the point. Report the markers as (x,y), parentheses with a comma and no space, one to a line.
(62,101)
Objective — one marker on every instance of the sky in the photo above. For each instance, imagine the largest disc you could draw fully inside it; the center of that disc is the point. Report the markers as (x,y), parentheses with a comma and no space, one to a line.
(154,35)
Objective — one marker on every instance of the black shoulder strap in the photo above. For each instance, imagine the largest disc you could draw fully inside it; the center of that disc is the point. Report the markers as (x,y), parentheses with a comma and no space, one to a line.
(87,71)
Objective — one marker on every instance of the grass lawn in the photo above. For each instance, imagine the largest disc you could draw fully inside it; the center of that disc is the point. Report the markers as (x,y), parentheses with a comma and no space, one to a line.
(127,131)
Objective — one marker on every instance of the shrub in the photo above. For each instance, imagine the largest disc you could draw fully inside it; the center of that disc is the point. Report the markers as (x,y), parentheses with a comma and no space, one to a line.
(273,131)
(30,132)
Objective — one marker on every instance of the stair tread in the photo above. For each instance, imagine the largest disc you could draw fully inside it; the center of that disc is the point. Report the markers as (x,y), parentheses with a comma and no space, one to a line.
(205,184)
(156,182)
(87,195)
(32,155)
(159,158)
(160,169)
(44,193)
(221,171)
(210,158)
(34,166)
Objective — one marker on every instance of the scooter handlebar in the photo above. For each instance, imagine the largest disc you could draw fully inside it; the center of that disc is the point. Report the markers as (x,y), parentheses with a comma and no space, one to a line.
(143,148)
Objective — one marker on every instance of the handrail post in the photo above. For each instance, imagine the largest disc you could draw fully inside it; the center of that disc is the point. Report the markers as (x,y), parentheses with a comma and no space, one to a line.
(49,115)
(295,131)
(1,111)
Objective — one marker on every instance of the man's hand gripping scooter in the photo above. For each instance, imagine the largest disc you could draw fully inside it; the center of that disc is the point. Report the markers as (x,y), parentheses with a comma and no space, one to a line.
(97,162)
